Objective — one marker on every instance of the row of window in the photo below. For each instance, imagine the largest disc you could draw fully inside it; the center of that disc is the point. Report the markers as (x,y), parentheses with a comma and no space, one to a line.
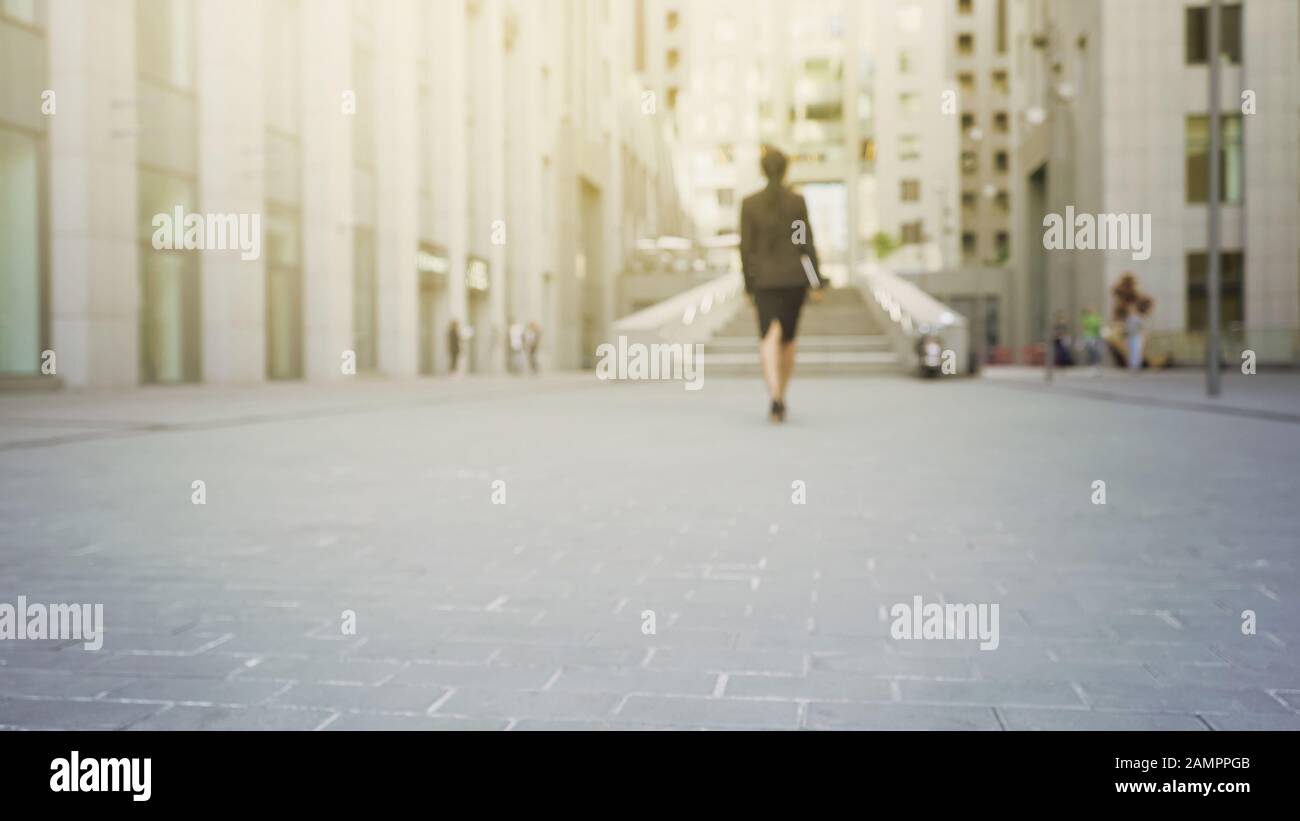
(1001,122)
(1001,82)
(970,162)
(1001,245)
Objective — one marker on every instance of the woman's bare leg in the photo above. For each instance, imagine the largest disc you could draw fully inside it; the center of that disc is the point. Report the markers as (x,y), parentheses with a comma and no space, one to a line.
(769,355)
(787,364)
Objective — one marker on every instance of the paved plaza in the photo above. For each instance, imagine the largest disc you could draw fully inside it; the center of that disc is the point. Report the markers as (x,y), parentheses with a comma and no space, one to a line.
(502,544)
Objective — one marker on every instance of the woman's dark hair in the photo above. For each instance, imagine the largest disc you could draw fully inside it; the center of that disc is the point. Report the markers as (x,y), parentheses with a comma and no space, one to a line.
(774,163)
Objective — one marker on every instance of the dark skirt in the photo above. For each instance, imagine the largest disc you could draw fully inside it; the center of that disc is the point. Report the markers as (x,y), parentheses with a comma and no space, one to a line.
(781,304)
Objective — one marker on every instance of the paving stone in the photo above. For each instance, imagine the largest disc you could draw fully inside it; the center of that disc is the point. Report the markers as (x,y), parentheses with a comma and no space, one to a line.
(521,704)
(823,716)
(345,697)
(182,717)
(710,712)
(1200,700)
(992,693)
(631,498)
(817,685)
(60,714)
(1020,718)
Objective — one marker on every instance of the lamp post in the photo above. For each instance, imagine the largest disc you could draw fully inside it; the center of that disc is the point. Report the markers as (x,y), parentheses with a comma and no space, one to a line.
(1212,249)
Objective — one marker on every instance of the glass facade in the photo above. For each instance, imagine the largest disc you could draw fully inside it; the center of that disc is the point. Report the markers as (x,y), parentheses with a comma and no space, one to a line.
(20,274)
(169,286)
(364,304)
(1231,167)
(283,294)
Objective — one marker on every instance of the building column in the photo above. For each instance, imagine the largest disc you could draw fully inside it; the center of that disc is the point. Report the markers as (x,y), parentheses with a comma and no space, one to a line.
(232,180)
(94,239)
(495,133)
(326,187)
(452,154)
(397,188)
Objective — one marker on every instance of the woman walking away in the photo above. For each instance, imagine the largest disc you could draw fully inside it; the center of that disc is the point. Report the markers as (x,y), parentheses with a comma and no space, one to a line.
(780,264)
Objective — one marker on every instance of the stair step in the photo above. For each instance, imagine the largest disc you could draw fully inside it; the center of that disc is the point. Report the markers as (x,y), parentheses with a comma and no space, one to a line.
(806,343)
(811,358)
(837,336)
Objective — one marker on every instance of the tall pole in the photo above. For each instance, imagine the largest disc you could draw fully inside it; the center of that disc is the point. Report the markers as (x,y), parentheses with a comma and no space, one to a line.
(1212,280)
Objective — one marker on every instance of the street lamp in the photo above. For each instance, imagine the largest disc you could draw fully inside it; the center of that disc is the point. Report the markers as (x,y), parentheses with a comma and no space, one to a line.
(1212,250)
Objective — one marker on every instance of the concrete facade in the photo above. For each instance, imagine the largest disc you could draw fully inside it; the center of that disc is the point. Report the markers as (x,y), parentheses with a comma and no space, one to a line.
(410,163)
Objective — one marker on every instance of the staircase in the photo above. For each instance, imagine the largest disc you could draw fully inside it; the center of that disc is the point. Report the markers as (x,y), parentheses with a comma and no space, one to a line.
(837,336)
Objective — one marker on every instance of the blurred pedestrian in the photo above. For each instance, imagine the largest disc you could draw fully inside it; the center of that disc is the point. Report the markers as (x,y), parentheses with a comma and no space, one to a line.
(1135,331)
(779,261)
(453,345)
(532,339)
(1061,341)
(1090,322)
(515,333)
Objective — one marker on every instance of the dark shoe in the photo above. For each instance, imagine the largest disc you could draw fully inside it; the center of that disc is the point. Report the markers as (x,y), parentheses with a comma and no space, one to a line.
(777,411)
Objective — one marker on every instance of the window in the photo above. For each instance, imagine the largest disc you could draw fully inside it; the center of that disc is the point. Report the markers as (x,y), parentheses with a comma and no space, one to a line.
(365,323)
(1001,161)
(910,17)
(170,315)
(1232,267)
(968,199)
(907,104)
(966,81)
(966,44)
(1196,33)
(363,137)
(912,233)
(905,62)
(1000,83)
(967,121)
(970,163)
(20,275)
(1001,122)
(1002,26)
(1197,154)
(831,111)
(671,20)
(909,147)
(672,58)
(965,6)
(23,10)
(165,41)
(969,244)
(1003,200)
(1002,242)
(283,294)
(280,75)
(909,190)
(672,98)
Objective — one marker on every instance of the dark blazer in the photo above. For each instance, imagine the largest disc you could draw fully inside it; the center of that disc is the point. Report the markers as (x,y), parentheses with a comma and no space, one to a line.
(770,255)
